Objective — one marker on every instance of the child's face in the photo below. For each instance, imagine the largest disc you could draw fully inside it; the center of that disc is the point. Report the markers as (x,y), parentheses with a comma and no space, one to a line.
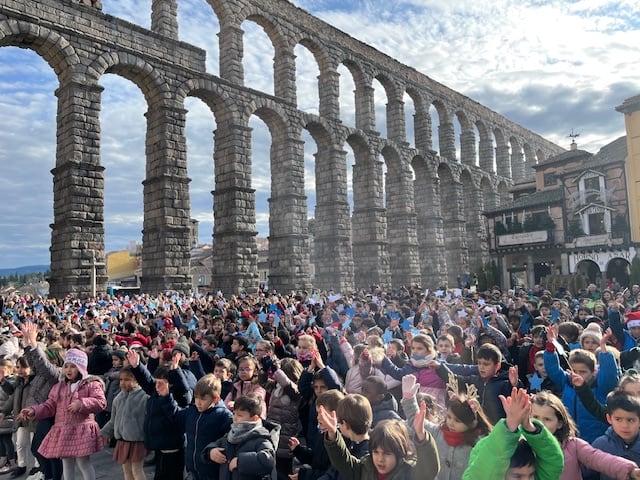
(70,371)
(538,340)
(243,416)
(444,348)
(521,473)
(23,372)
(487,368)
(454,423)
(635,332)
(235,346)
(127,382)
(319,387)
(418,348)
(539,366)
(204,402)
(392,350)
(369,391)
(544,311)
(4,372)
(246,371)
(547,416)
(583,370)
(625,424)
(116,361)
(222,373)
(384,462)
(590,344)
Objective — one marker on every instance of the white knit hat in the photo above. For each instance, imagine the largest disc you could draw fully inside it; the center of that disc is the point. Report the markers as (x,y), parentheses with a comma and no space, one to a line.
(79,359)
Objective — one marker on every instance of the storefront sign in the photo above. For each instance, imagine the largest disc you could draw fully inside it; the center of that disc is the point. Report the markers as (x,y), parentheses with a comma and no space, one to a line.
(523,238)
(602,259)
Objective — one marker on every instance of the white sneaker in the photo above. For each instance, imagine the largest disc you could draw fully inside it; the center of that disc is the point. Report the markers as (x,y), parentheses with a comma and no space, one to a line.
(36,476)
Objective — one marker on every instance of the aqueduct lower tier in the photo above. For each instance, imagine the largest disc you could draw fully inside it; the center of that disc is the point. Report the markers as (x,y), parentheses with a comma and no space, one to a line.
(428,230)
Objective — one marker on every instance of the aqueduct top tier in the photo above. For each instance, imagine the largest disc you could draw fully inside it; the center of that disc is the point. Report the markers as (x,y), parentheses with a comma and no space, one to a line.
(392,237)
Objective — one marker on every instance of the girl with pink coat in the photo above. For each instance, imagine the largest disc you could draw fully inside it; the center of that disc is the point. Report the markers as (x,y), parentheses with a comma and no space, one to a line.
(73,401)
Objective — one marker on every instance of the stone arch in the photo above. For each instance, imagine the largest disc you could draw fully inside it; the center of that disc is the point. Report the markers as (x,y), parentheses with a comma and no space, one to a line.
(221,9)
(394,113)
(50,45)
(135,69)
(504,197)
(269,24)
(489,194)
(529,160)
(540,157)
(474,225)
(270,112)
(211,94)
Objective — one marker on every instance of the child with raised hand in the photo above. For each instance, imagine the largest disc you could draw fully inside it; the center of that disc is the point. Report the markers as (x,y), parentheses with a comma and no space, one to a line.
(462,427)
(126,425)
(549,409)
(502,454)
(391,456)
(74,401)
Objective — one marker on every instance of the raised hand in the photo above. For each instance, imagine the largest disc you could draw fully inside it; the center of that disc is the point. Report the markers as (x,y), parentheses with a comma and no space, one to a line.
(513,376)
(605,340)
(29,334)
(418,422)
(410,386)
(133,358)
(516,407)
(328,422)
(576,379)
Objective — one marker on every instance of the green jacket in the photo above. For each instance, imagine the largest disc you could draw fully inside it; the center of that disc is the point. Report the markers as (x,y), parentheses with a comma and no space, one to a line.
(424,466)
(491,456)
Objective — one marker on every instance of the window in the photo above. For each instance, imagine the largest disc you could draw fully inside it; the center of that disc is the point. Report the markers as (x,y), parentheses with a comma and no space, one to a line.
(550,179)
(592,190)
(202,280)
(596,224)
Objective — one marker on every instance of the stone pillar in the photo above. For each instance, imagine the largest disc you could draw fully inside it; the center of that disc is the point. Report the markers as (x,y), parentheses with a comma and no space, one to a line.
(232,51)
(530,163)
(77,231)
(235,251)
(430,229)
(370,244)
(396,128)
(468,147)
(334,257)
(477,241)
(446,136)
(285,75)
(422,124)
(166,250)
(455,236)
(164,18)
(365,111)
(329,84)
(502,161)
(401,220)
(517,163)
(486,155)
(288,223)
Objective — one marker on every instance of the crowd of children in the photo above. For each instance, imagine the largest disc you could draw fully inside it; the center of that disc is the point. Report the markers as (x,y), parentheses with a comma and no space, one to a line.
(373,385)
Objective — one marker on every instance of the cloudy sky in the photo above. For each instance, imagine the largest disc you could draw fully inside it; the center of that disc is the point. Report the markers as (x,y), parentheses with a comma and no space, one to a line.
(551,66)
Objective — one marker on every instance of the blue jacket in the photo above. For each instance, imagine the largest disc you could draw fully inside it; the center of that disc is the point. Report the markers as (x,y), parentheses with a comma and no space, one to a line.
(160,434)
(201,429)
(610,442)
(606,380)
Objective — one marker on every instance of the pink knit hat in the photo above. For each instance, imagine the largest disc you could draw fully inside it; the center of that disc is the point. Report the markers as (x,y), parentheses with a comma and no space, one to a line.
(79,359)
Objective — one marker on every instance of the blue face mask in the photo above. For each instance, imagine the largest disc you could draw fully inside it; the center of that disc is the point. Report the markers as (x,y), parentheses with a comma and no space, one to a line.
(418,357)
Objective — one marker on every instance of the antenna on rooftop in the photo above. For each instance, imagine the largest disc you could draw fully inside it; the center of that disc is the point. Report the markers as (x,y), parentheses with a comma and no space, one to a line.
(573,136)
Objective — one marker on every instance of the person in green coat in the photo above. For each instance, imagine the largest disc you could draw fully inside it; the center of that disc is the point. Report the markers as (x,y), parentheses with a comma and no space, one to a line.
(517,447)
(391,456)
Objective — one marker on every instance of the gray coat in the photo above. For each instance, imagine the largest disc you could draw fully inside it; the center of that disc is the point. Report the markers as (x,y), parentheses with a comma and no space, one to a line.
(46,375)
(453,460)
(283,409)
(127,416)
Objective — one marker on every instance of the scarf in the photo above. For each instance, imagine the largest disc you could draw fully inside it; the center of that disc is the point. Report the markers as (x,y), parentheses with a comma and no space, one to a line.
(240,431)
(453,439)
(304,357)
(421,361)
